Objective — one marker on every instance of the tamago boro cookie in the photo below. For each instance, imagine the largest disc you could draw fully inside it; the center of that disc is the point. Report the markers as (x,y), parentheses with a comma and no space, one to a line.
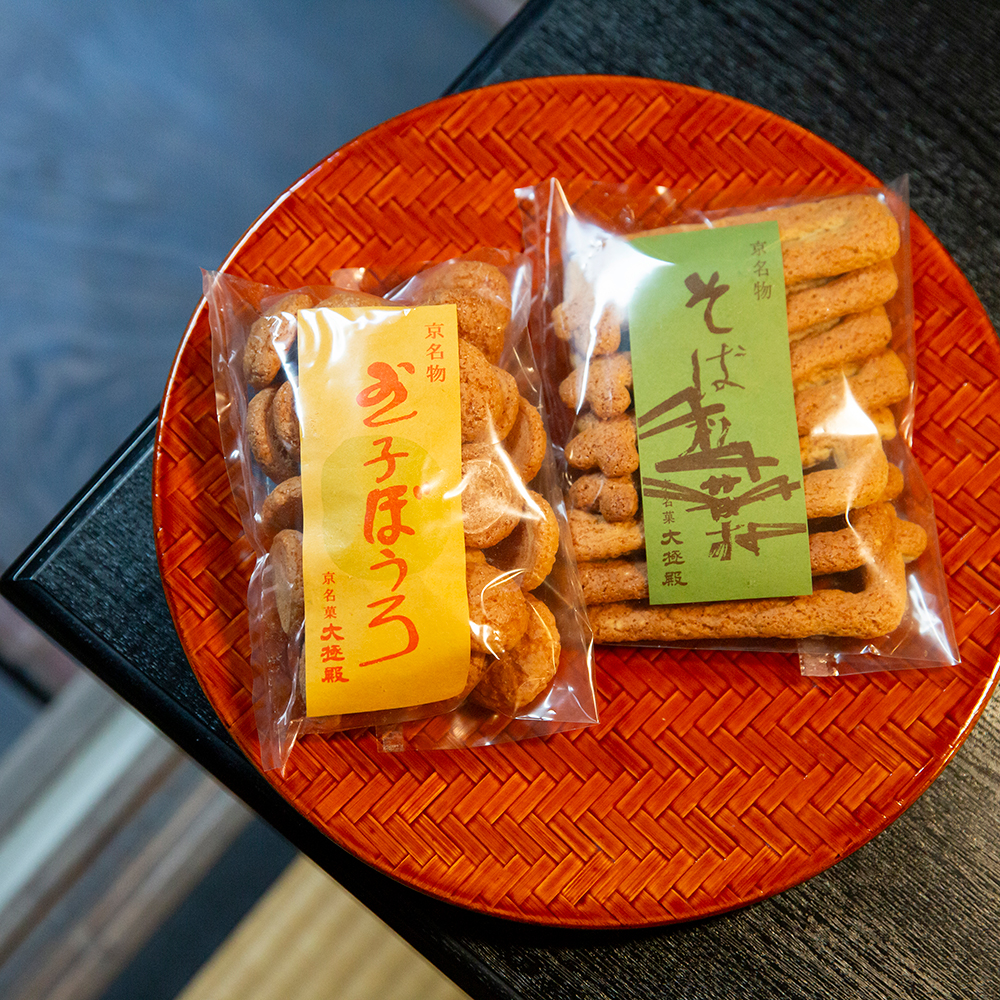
(509,530)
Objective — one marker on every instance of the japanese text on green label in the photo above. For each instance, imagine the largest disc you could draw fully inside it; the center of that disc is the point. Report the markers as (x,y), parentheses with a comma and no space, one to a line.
(723,504)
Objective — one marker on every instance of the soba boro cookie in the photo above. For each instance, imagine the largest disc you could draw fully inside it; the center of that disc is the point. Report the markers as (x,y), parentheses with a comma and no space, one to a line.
(874,611)
(595,538)
(839,273)
(858,477)
(609,445)
(834,551)
(880,381)
(854,292)
(616,497)
(850,547)
(609,580)
(606,392)
(576,319)
(817,357)
(822,239)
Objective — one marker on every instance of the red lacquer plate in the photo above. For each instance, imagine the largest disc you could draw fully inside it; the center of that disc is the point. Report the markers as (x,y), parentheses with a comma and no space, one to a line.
(713,779)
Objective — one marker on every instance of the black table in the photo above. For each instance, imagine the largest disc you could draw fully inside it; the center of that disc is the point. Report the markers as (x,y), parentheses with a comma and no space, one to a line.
(915,913)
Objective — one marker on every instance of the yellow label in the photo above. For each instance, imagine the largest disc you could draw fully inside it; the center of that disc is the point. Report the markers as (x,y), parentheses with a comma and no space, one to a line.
(387,616)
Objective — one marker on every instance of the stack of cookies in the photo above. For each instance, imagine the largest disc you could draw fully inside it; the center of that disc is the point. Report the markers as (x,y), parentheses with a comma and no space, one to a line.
(511,532)
(839,274)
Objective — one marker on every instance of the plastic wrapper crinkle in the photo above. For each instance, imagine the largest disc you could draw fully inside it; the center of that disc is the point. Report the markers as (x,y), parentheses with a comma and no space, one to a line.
(874,594)
(473,615)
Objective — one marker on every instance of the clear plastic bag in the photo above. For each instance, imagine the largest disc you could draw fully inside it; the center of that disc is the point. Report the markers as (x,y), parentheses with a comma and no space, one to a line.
(527,661)
(850,320)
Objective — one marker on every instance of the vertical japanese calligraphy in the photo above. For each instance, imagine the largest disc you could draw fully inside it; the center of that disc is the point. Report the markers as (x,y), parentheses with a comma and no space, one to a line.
(383,547)
(721,479)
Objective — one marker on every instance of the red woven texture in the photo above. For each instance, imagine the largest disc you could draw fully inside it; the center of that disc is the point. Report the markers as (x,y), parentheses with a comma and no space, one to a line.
(713,779)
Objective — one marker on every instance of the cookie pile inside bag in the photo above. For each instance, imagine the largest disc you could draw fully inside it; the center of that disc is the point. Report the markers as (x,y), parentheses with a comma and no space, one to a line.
(529,670)
(850,342)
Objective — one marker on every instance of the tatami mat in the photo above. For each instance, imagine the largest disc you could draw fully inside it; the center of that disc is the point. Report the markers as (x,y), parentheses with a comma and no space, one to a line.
(309,939)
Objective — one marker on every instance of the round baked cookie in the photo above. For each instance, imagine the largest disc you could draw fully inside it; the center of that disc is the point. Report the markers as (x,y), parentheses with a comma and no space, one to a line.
(894,483)
(526,441)
(282,508)
(515,679)
(530,549)
(285,420)
(491,501)
(277,325)
(498,609)
(911,539)
(350,299)
(481,295)
(289,589)
(482,397)
(477,665)
(511,404)
(270,454)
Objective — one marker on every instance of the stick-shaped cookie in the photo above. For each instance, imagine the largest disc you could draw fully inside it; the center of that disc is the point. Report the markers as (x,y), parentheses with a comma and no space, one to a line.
(875,611)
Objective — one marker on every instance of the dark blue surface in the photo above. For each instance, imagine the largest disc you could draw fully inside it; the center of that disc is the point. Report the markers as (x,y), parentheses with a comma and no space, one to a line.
(17,709)
(139,141)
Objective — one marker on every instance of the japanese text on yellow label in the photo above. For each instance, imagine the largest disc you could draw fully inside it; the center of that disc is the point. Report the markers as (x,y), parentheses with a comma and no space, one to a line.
(387,622)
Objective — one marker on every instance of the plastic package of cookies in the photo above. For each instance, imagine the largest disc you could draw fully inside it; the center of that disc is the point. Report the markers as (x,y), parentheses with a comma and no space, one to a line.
(391,466)
(733,396)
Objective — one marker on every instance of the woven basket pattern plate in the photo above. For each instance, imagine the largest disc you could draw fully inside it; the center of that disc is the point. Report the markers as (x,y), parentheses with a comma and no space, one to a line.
(712,779)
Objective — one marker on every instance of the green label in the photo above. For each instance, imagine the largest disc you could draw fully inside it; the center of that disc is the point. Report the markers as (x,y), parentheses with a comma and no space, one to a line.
(723,504)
